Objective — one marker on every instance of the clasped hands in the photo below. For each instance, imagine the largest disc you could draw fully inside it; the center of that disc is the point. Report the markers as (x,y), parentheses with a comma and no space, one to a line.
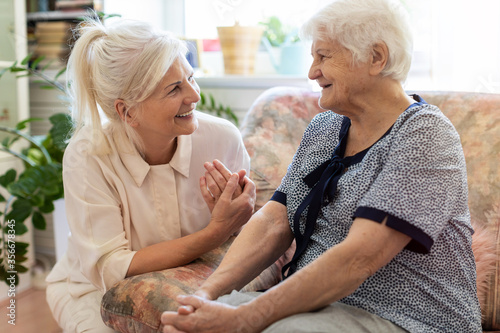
(230,197)
(199,314)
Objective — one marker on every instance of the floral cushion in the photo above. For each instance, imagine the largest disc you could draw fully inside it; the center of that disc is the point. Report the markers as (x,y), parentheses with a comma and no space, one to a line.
(135,304)
(272,130)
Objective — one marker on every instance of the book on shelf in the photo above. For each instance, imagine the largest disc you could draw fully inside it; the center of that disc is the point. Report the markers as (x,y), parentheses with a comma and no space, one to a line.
(73,4)
(52,26)
(53,40)
(53,50)
(53,37)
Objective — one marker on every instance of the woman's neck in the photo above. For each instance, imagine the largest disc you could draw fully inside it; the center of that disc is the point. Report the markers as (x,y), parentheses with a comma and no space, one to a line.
(156,154)
(377,114)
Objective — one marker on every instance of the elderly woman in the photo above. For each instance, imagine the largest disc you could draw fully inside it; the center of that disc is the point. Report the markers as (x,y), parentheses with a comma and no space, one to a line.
(132,185)
(376,198)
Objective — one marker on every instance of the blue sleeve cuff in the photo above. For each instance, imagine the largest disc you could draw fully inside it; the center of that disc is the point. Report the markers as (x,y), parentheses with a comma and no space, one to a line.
(420,241)
(279,197)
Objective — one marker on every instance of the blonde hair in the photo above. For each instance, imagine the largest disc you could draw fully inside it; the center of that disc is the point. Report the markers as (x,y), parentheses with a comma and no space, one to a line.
(125,60)
(359,24)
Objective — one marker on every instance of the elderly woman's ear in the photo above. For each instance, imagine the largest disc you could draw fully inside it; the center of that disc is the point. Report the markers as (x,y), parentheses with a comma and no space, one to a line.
(378,58)
(124,112)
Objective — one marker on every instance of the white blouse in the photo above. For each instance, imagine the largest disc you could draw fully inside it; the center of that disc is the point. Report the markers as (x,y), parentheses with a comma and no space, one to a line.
(117,204)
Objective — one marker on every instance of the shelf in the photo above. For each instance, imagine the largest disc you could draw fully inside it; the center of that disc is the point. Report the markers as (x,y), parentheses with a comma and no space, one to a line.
(253,82)
(55,15)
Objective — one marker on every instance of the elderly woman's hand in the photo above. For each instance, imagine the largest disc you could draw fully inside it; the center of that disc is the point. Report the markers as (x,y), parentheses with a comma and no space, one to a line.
(208,316)
(214,182)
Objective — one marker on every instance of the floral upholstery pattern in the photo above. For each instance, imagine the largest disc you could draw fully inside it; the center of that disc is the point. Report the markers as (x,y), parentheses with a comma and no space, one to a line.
(135,304)
(272,130)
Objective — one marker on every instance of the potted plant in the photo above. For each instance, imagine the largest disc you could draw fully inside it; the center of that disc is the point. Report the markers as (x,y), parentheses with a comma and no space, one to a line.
(294,56)
(34,190)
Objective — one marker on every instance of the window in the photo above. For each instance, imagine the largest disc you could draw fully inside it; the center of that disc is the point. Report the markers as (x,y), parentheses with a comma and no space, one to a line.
(456,42)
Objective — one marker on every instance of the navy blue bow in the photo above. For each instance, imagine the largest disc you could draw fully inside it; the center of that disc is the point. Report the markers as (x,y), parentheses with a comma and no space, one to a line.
(323,183)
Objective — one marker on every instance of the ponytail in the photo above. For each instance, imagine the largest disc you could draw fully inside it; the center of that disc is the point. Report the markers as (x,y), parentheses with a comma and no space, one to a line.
(125,60)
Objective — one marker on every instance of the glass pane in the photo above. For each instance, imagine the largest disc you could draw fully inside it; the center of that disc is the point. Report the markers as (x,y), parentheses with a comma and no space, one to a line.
(7,46)
(8,84)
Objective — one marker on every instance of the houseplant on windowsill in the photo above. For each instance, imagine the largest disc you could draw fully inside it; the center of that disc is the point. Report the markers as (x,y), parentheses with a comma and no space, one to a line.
(294,54)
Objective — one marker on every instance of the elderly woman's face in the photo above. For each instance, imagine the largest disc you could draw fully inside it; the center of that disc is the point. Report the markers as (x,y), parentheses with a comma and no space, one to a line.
(340,81)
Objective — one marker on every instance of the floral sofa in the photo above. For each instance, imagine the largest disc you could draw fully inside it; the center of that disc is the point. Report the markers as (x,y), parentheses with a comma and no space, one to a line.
(272,130)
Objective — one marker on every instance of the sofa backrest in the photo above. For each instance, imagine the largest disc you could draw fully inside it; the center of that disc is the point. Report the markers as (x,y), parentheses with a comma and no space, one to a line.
(477,119)
(273,128)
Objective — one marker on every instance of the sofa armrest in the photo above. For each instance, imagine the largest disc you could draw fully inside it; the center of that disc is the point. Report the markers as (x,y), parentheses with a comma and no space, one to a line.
(135,304)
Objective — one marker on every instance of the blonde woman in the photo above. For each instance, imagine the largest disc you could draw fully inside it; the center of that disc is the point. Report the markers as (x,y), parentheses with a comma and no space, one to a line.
(140,194)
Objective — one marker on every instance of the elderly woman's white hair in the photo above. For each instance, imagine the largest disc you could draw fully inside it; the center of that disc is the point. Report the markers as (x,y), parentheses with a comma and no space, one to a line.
(358,24)
(125,60)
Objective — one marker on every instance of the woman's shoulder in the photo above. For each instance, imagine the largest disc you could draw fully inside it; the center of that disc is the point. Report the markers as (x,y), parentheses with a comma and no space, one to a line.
(82,147)
(424,115)
(324,123)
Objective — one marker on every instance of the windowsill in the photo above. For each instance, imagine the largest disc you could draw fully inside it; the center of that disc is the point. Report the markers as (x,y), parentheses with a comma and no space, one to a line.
(253,81)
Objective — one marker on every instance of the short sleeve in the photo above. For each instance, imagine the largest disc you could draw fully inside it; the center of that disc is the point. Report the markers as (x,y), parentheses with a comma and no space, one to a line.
(423,182)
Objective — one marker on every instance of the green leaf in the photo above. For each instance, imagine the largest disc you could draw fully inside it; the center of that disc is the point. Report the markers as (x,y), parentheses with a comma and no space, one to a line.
(4,276)
(212,101)
(17,69)
(36,156)
(61,72)
(39,180)
(21,246)
(21,269)
(202,98)
(23,75)
(110,15)
(21,210)
(46,87)
(22,124)
(19,229)
(48,207)
(35,63)
(38,221)
(26,59)
(2,199)
(8,177)
(5,142)
(37,200)
(62,125)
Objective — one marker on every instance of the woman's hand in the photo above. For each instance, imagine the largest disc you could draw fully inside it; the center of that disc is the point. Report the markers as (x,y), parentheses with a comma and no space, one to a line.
(214,182)
(229,213)
(207,316)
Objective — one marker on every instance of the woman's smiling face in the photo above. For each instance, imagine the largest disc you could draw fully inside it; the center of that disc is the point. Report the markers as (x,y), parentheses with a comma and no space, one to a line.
(333,70)
(168,112)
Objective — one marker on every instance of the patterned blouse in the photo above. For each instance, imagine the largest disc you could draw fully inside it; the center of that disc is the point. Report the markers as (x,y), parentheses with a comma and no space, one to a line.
(415,176)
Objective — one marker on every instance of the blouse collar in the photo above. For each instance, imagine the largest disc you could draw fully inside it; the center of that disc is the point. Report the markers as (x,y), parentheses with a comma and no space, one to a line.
(138,168)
